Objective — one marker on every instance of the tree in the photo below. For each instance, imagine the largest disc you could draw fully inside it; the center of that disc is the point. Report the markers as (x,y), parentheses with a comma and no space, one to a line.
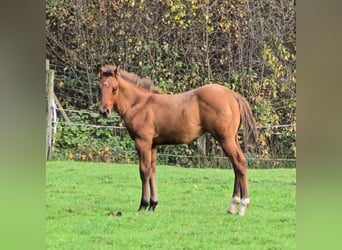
(247,45)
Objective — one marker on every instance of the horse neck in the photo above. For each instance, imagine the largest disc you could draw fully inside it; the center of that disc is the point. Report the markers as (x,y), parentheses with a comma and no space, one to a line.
(129,96)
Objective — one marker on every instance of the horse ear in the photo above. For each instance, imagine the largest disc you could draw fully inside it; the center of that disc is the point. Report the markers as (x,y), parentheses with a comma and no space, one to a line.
(99,70)
(117,71)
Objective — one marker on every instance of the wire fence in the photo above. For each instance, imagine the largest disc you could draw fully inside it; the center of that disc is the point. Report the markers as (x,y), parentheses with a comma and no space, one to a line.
(111,143)
(121,127)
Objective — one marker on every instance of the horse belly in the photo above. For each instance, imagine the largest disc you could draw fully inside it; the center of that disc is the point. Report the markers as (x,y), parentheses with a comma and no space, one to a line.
(178,119)
(177,134)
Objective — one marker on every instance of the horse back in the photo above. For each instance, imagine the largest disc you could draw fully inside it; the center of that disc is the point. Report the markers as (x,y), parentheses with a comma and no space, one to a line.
(183,117)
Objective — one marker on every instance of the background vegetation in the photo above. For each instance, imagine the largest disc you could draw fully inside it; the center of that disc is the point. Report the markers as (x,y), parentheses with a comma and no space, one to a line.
(248,46)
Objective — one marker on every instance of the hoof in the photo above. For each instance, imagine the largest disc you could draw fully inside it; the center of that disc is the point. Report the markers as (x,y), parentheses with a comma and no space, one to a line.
(242,210)
(143,205)
(153,205)
(233,206)
(243,206)
(231,211)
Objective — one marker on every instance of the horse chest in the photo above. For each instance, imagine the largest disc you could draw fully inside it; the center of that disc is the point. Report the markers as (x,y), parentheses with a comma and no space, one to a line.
(140,126)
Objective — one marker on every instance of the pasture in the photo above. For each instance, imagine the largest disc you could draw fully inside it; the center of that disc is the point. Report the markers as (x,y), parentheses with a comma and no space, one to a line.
(83,201)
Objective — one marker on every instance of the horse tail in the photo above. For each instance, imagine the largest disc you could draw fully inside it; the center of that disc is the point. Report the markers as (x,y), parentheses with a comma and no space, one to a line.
(247,121)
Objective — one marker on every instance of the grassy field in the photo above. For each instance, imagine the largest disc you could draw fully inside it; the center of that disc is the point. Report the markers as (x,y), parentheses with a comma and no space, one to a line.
(191,212)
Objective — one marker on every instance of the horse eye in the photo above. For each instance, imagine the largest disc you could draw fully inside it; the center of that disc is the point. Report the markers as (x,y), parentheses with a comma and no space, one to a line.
(114,89)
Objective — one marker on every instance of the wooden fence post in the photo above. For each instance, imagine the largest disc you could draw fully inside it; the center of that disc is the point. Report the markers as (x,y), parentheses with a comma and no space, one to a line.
(50,75)
(65,116)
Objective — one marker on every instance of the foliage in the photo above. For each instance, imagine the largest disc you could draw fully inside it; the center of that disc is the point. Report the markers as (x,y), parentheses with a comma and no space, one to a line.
(89,143)
(191,213)
(248,46)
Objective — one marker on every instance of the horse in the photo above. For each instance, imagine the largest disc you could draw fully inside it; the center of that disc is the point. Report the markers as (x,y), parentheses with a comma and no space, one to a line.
(153,118)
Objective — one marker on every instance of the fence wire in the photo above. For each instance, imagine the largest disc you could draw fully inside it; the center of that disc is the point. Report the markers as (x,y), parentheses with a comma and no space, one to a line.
(119,149)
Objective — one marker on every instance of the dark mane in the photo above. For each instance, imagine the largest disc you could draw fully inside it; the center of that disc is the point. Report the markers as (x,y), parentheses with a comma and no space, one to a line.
(145,83)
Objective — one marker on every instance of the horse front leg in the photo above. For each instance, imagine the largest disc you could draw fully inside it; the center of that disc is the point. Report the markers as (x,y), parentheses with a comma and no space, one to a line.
(153,181)
(144,153)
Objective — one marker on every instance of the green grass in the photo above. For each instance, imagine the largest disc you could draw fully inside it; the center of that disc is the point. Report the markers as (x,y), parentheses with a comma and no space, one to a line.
(191,213)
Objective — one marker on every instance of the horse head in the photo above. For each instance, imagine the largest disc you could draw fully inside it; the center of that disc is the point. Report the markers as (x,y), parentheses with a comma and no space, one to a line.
(108,87)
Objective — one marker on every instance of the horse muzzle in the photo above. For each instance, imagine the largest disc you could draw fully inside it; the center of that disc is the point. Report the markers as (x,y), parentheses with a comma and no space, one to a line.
(105,112)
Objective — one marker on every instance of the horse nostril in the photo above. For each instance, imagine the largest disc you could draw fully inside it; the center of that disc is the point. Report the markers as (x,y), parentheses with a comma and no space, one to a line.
(105,112)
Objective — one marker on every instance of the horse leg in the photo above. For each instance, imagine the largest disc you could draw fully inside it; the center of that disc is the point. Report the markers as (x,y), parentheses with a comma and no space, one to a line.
(236,197)
(240,193)
(144,153)
(153,181)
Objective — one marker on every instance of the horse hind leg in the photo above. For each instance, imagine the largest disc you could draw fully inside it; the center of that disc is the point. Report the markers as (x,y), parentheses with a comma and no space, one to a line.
(236,199)
(240,193)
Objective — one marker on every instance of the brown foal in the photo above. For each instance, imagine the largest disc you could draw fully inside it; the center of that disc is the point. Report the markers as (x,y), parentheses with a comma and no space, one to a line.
(153,119)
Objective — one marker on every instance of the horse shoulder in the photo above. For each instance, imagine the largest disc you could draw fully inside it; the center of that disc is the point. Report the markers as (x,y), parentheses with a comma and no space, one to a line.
(141,123)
